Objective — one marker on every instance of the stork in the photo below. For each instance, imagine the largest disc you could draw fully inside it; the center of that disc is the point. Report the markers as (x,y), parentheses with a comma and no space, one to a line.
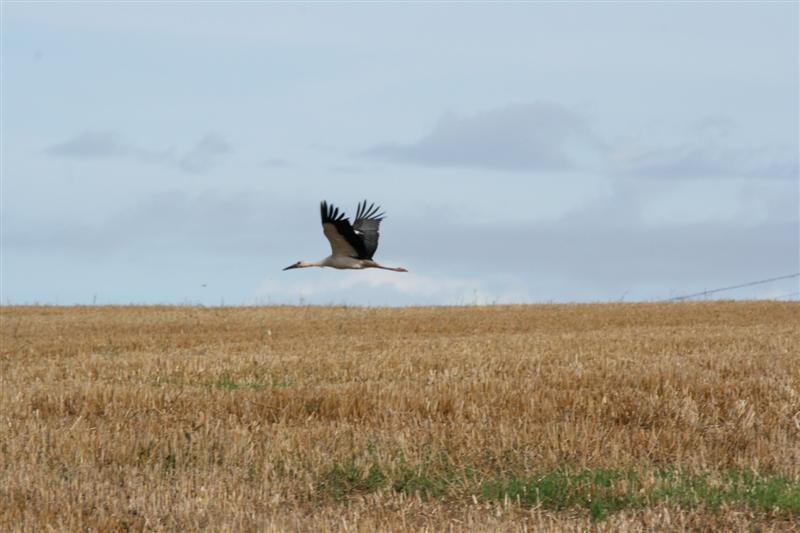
(352,246)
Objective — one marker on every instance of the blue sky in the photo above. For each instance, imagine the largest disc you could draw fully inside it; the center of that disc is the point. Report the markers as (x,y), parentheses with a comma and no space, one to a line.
(172,153)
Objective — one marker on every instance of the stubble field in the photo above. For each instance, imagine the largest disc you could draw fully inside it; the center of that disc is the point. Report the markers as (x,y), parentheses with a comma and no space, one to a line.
(546,417)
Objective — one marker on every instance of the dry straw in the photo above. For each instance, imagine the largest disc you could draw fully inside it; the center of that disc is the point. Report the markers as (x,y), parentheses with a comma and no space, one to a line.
(624,416)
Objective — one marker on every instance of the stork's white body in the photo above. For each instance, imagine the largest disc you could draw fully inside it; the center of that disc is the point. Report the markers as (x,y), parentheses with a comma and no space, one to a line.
(352,246)
(342,262)
(347,263)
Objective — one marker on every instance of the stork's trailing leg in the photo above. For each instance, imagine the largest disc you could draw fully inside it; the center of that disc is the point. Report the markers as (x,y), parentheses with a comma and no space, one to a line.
(373,264)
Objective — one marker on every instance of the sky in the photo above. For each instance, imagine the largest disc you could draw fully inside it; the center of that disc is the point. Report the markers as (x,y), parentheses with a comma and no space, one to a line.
(176,153)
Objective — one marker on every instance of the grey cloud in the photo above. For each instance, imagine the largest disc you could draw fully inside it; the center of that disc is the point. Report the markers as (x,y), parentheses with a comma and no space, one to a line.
(706,152)
(161,223)
(201,157)
(712,125)
(539,136)
(614,259)
(90,144)
(608,248)
(276,162)
(709,160)
(546,136)
(346,169)
(603,250)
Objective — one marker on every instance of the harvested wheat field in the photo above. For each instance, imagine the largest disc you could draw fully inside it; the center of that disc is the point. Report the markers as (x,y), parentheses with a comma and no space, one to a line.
(543,417)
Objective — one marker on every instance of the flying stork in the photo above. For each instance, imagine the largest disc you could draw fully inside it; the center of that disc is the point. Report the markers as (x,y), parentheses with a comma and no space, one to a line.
(352,246)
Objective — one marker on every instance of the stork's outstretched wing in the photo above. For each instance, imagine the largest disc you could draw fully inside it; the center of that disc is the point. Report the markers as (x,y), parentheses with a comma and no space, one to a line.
(366,225)
(359,240)
(340,233)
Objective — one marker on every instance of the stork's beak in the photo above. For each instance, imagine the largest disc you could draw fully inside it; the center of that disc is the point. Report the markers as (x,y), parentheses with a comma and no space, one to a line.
(291,267)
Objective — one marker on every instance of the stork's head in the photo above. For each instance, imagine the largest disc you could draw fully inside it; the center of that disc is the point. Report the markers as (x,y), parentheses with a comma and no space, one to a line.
(299,264)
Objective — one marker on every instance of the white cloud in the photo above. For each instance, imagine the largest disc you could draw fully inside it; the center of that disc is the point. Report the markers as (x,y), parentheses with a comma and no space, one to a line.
(371,285)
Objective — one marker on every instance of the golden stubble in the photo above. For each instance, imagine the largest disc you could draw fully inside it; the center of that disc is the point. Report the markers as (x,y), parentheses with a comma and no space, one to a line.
(185,418)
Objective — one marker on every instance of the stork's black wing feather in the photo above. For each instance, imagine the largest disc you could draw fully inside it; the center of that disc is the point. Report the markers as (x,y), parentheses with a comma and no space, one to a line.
(342,236)
(365,226)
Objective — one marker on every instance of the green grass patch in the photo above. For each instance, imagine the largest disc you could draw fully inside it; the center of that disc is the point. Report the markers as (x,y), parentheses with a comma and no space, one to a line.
(600,492)
(227,382)
(732,487)
(411,481)
(344,479)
